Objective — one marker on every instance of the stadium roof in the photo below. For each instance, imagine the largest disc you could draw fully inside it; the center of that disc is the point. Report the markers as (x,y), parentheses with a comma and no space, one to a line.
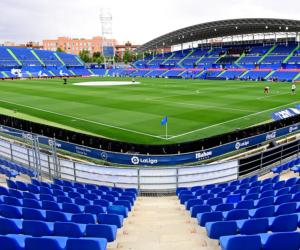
(224,28)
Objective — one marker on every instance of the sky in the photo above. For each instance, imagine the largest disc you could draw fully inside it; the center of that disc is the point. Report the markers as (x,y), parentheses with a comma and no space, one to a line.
(137,21)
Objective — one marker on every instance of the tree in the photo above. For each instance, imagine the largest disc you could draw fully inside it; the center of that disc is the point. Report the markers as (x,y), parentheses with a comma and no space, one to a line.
(97,54)
(126,57)
(116,58)
(99,61)
(85,55)
(59,49)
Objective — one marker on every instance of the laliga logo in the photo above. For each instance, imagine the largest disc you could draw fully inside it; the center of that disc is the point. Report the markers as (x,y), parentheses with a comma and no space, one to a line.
(271,136)
(293,129)
(238,144)
(3,129)
(50,142)
(26,136)
(135,160)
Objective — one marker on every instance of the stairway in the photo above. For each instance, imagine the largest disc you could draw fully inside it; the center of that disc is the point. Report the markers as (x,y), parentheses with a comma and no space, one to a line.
(13,55)
(244,73)
(186,57)
(106,72)
(298,75)
(4,74)
(267,53)
(202,57)
(271,73)
(72,72)
(91,72)
(37,57)
(51,73)
(79,60)
(151,60)
(169,58)
(60,59)
(29,73)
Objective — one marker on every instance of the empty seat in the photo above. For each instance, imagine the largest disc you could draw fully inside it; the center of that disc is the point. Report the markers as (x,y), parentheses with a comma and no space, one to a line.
(120,210)
(78,185)
(87,244)
(52,205)
(68,184)
(96,209)
(86,218)
(82,190)
(253,226)
(266,181)
(251,197)
(193,189)
(68,189)
(109,198)
(203,218)
(200,192)
(223,207)
(209,186)
(264,202)
(21,186)
(283,223)
(126,204)
(275,179)
(73,194)
(82,201)
(220,228)
(132,194)
(45,184)
(277,170)
(11,212)
(58,181)
(31,203)
(13,242)
(269,193)
(134,190)
(237,214)
(266,187)
(46,190)
(244,186)
(16,193)
(244,181)
(238,242)
(35,182)
(97,192)
(204,197)
(233,198)
(235,183)
(69,229)
(285,208)
(279,185)
(215,190)
(199,209)
(183,192)
(223,194)
(34,214)
(291,182)
(31,196)
(91,197)
(13,201)
(90,186)
(178,190)
(38,228)
(62,199)
(223,185)
(53,216)
(46,243)
(72,208)
(214,201)
(47,197)
(111,219)
(262,212)
(253,178)
(105,188)
(295,189)
(240,191)
(103,203)
(192,202)
(247,204)
(10,226)
(4,191)
(33,188)
(282,199)
(56,187)
(57,192)
(282,191)
(108,232)
(230,188)
(278,241)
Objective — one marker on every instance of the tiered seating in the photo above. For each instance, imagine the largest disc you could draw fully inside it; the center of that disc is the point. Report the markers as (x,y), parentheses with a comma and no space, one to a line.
(249,60)
(214,72)
(261,50)
(116,71)
(127,72)
(283,49)
(156,62)
(48,58)
(294,60)
(142,63)
(82,72)
(26,57)
(156,72)
(68,59)
(173,72)
(15,169)
(100,72)
(141,72)
(62,72)
(273,59)
(9,74)
(207,60)
(255,73)
(172,61)
(63,210)
(231,73)
(285,75)
(193,72)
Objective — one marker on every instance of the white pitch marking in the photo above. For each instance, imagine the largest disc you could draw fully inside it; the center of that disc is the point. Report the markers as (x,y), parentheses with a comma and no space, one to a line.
(230,120)
(273,95)
(191,104)
(103,124)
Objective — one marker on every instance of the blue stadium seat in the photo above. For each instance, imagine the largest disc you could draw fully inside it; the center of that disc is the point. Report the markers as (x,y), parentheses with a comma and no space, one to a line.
(276,178)
(57,192)
(209,186)
(82,190)
(230,189)
(111,219)
(180,194)
(96,209)
(10,226)
(220,228)
(72,208)
(283,223)
(291,182)
(11,184)
(200,192)
(87,244)
(283,240)
(82,201)
(285,208)
(56,187)
(251,197)
(215,190)
(282,199)
(263,202)
(199,209)
(178,190)
(117,195)
(203,197)
(233,198)
(238,242)
(103,203)
(73,194)
(69,229)
(235,183)
(195,188)
(122,198)
(262,212)
(266,181)
(279,185)
(46,190)
(203,218)
(13,242)
(58,181)
(68,189)
(253,226)
(108,232)
(86,218)
(193,202)
(16,193)
(214,201)
(247,204)
(255,184)
(38,228)
(34,214)
(11,212)
(105,188)
(91,197)
(13,201)
(269,193)
(32,203)
(47,197)
(236,214)
(266,187)
(62,199)
(33,188)
(295,189)
(245,181)
(223,185)
(52,205)
(126,193)
(120,210)
(277,170)
(46,243)
(134,190)
(223,194)
(97,192)
(282,191)
(90,186)
(223,207)
(53,216)
(45,184)
(109,198)
(68,184)
(78,185)
(126,204)
(242,192)
(21,186)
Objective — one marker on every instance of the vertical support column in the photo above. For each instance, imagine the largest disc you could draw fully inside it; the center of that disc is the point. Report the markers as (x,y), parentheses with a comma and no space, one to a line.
(286,42)
(39,155)
(28,157)
(176,178)
(261,161)
(11,152)
(74,168)
(139,180)
(182,48)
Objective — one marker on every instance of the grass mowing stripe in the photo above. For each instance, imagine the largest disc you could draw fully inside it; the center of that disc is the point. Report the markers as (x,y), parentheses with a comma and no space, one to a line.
(111,126)
(231,120)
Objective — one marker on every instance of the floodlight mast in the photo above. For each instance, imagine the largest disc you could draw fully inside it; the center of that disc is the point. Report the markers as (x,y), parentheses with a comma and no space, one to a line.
(106,23)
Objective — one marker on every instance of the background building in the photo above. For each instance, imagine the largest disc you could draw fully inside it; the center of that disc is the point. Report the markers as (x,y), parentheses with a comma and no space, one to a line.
(120,49)
(32,45)
(75,45)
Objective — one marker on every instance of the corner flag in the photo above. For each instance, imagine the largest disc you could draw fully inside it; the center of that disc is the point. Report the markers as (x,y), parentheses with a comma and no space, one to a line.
(164,121)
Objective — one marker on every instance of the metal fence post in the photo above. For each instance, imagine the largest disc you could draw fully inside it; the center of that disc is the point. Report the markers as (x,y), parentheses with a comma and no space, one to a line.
(28,157)
(49,166)
(281,154)
(11,153)
(139,180)
(177,178)
(261,162)
(74,171)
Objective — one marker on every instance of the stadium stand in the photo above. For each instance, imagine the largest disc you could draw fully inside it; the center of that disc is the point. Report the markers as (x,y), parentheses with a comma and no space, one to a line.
(285,74)
(156,72)
(173,72)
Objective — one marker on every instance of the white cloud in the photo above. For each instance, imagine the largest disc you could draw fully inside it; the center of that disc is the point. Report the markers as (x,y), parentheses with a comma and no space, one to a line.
(134,20)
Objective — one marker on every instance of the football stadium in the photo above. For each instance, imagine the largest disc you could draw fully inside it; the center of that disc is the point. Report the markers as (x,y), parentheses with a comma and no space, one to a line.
(187,141)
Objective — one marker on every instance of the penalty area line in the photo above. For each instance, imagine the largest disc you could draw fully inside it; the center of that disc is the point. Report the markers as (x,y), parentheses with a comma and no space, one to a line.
(81,119)
(273,95)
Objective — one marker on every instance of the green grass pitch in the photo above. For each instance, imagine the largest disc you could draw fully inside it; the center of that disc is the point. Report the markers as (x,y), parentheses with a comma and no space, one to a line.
(133,113)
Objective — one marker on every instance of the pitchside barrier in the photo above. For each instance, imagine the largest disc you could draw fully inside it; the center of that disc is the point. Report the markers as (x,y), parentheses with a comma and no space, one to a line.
(150,155)
(150,179)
